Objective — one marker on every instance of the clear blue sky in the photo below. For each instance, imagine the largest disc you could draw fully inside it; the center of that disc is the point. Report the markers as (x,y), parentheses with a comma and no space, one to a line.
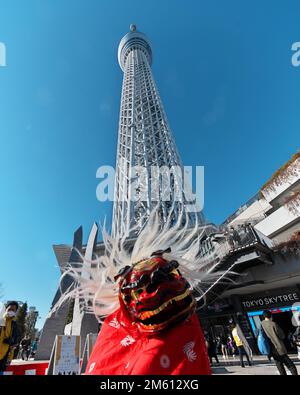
(225,76)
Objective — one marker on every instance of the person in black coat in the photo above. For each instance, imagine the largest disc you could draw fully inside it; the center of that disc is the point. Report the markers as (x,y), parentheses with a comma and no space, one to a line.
(211,348)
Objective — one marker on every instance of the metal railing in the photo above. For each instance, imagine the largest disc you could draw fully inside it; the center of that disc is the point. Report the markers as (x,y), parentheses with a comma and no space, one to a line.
(218,245)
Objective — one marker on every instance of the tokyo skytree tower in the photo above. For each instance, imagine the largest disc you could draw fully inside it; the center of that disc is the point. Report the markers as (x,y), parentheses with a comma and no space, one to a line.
(144,140)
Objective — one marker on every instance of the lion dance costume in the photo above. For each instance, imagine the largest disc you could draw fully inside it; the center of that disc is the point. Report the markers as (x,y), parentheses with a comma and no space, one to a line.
(145,299)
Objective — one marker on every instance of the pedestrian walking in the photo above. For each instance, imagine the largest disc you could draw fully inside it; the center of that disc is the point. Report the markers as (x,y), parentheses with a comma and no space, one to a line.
(296,338)
(8,334)
(211,348)
(224,346)
(25,347)
(278,349)
(231,346)
(34,347)
(241,343)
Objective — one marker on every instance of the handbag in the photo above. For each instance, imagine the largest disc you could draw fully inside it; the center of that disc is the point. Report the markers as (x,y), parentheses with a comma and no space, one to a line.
(263,342)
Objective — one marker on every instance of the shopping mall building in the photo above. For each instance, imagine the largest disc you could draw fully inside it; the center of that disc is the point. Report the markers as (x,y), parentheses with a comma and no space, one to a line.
(272,279)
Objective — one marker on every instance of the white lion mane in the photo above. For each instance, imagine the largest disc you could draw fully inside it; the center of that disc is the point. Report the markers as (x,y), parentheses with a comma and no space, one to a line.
(97,288)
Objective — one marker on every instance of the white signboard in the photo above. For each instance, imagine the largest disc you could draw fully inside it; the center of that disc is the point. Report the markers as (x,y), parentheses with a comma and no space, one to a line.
(65,356)
(88,348)
(30,372)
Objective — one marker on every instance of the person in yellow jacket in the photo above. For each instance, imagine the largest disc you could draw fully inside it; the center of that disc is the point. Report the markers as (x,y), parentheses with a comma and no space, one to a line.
(8,334)
(240,342)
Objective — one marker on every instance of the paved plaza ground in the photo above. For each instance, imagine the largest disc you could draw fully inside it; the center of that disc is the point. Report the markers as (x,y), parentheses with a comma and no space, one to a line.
(261,366)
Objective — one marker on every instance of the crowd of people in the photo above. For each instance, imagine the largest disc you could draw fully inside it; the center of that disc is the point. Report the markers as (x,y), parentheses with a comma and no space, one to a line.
(229,345)
(26,348)
(233,343)
(240,235)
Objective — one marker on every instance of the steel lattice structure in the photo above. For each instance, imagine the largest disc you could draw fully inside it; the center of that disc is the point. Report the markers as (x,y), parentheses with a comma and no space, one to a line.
(145,139)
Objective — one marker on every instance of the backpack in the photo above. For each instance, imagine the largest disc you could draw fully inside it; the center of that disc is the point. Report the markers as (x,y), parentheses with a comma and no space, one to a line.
(263,342)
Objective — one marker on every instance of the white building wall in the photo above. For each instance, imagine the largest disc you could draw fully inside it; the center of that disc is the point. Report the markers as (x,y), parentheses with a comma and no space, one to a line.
(285,220)
(278,220)
(257,209)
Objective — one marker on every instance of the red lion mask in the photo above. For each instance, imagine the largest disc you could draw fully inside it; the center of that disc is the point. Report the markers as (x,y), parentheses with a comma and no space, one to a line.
(155,294)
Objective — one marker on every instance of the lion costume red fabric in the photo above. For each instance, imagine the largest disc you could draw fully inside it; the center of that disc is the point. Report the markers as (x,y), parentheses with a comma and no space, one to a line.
(155,330)
(121,349)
